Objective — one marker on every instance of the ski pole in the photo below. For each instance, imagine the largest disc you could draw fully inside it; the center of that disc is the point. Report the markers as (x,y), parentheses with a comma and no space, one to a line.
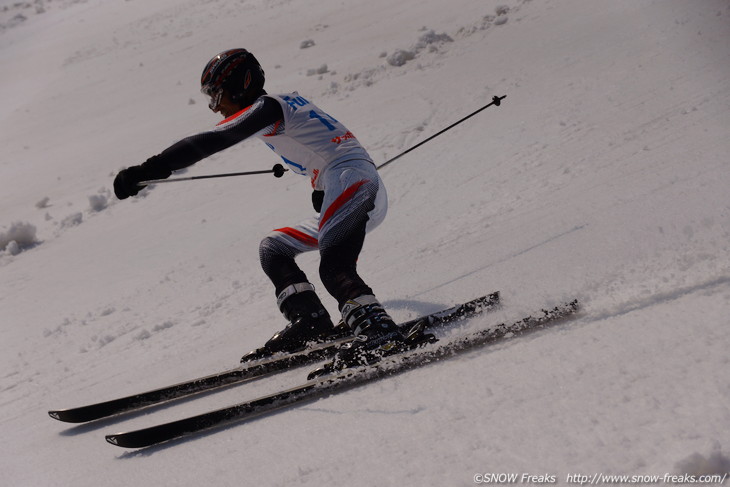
(278,170)
(496,101)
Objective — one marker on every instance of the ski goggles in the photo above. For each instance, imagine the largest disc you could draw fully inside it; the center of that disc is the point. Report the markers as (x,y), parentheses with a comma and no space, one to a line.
(214,96)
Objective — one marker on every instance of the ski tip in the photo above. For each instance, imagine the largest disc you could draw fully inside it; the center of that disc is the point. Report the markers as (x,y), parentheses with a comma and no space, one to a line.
(73,415)
(64,415)
(121,440)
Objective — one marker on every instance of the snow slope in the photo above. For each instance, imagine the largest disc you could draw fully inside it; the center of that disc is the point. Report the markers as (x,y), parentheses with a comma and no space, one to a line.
(603,176)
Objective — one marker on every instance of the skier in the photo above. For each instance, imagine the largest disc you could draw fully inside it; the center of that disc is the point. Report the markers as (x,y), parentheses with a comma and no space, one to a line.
(348,196)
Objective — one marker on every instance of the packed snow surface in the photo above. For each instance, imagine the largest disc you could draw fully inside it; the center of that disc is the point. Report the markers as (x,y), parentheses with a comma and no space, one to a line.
(604,176)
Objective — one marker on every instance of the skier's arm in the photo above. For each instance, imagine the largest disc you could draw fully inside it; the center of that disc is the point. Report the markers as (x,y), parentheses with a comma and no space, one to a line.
(264,113)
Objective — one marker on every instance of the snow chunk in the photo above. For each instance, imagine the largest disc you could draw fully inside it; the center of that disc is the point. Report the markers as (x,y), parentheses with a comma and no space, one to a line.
(501,9)
(400,57)
(72,220)
(143,335)
(501,20)
(320,70)
(430,38)
(20,236)
(98,202)
(365,77)
(105,340)
(163,326)
(108,311)
(13,248)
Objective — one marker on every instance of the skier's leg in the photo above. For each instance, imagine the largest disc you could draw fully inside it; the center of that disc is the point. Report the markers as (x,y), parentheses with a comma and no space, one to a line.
(308,319)
(358,204)
(355,203)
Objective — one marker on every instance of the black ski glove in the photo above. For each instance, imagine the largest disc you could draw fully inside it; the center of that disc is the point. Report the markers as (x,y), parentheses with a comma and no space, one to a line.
(126,182)
(317,200)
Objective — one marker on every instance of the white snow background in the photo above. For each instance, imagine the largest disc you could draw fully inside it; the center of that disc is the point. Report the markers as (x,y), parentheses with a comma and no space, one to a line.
(604,176)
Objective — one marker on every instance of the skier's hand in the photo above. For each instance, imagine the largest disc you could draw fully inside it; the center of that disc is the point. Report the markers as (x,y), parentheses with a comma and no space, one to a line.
(126,183)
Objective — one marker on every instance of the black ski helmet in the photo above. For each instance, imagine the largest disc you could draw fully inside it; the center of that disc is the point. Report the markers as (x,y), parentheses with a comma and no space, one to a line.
(235,71)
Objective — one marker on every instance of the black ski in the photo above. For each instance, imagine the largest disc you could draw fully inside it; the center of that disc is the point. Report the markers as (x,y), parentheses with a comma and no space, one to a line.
(251,370)
(322,387)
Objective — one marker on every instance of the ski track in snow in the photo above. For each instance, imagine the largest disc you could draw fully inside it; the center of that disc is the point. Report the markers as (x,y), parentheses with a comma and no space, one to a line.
(603,176)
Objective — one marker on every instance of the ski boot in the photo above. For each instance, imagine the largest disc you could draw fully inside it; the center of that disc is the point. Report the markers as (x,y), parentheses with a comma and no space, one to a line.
(309,322)
(376,336)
